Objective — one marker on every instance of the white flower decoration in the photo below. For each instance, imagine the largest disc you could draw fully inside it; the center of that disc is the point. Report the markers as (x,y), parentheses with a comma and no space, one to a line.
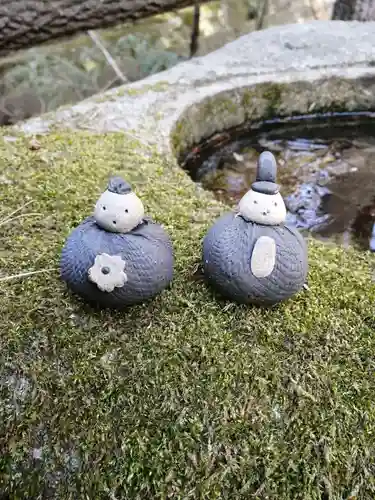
(108,272)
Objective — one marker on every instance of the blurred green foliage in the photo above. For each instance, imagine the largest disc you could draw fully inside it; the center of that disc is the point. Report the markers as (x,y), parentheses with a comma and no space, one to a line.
(46,80)
(71,70)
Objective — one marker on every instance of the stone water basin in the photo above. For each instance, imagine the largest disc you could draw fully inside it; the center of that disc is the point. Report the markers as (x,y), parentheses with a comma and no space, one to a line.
(326,171)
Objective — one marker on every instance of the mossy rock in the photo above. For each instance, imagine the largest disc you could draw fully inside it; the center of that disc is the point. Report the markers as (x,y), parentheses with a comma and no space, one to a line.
(187,396)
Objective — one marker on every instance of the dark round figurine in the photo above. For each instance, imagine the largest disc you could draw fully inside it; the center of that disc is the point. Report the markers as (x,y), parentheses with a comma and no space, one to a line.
(251,256)
(117,257)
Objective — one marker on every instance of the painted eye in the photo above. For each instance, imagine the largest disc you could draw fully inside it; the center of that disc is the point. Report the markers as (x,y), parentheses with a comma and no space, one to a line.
(255,202)
(126,210)
(114,222)
(275,204)
(104,208)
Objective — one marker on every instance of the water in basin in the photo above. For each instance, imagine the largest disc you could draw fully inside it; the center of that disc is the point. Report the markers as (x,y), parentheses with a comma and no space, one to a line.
(326,171)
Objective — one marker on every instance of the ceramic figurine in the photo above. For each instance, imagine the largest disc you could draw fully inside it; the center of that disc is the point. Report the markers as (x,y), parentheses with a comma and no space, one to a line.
(252,256)
(117,257)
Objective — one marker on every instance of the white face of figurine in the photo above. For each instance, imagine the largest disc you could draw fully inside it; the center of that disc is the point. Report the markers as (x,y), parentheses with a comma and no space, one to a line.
(268,209)
(118,213)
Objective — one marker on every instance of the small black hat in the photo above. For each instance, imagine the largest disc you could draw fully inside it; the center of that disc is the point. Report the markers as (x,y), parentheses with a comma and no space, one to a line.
(118,185)
(266,174)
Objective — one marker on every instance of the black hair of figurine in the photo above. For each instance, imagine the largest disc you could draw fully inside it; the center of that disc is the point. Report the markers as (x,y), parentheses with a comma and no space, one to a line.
(117,185)
(266,174)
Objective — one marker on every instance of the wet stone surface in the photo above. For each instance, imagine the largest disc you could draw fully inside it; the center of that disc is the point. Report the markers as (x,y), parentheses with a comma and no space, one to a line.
(326,173)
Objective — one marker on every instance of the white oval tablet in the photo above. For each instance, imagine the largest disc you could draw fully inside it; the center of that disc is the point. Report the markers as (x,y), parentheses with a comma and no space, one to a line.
(263,258)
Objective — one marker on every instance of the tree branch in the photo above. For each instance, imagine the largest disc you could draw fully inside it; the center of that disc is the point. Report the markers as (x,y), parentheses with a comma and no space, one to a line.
(27,23)
(194,43)
(96,39)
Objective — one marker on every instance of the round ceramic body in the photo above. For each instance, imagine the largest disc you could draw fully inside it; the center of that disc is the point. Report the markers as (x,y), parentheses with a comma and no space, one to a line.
(148,262)
(227,258)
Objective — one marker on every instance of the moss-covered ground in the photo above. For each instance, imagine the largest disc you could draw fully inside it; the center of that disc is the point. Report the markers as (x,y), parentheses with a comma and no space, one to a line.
(188,396)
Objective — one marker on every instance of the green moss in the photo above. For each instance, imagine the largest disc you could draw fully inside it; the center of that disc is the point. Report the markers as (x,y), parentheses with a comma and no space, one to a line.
(161,86)
(247,98)
(328,95)
(220,105)
(258,102)
(267,97)
(272,92)
(181,136)
(216,109)
(188,396)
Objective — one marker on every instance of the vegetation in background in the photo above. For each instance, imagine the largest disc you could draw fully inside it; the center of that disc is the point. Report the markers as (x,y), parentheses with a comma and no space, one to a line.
(49,76)
(50,80)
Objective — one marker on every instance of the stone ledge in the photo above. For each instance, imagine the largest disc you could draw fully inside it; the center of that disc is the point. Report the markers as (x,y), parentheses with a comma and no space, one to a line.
(150,109)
